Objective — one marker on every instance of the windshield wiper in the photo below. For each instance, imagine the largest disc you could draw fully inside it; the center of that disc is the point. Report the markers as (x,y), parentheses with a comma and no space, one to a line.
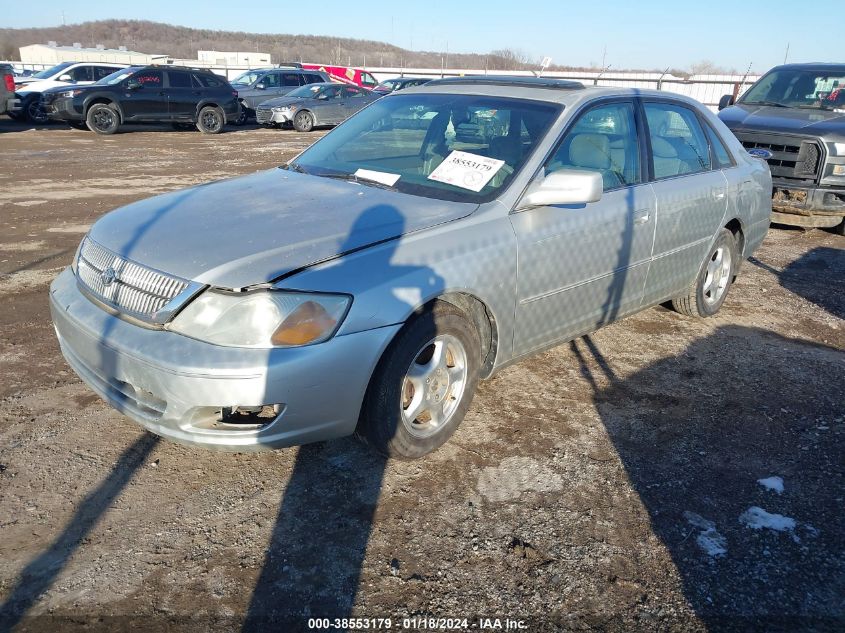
(362,181)
(774,104)
(294,167)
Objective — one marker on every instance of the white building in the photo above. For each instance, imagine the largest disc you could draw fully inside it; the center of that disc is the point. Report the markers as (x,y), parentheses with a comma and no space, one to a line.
(236,58)
(52,54)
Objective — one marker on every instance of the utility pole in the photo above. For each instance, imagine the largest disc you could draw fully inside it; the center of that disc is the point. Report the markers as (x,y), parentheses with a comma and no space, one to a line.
(786,54)
(63,18)
(603,55)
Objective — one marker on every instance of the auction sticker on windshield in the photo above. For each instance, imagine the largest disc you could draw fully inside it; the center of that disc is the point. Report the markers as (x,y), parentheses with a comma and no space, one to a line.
(465,170)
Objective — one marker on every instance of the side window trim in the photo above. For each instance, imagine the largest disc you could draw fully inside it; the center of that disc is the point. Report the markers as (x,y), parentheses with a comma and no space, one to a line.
(598,103)
(708,130)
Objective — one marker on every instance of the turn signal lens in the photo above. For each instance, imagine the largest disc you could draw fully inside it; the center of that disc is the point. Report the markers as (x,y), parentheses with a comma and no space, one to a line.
(309,322)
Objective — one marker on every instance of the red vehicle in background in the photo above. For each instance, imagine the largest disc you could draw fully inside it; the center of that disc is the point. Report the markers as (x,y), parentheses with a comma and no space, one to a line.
(346,75)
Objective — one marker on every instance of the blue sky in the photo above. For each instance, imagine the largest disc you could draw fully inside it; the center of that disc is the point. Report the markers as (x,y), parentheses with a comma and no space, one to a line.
(644,34)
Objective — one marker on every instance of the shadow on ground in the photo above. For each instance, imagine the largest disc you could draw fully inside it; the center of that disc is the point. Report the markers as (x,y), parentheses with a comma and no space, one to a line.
(697,431)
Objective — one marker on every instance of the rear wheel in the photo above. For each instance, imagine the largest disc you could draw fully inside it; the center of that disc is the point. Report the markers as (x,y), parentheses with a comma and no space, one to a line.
(210,120)
(303,122)
(708,291)
(102,118)
(423,385)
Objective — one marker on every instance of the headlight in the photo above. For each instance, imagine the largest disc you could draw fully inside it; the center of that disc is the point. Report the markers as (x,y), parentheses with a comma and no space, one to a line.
(262,318)
(838,149)
(71,93)
(284,109)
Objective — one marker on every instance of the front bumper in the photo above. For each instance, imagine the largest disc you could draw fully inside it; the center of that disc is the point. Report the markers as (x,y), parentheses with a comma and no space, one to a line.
(63,109)
(265,116)
(173,385)
(807,206)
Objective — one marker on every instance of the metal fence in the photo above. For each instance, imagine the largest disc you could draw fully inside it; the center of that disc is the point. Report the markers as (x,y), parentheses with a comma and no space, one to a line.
(707,89)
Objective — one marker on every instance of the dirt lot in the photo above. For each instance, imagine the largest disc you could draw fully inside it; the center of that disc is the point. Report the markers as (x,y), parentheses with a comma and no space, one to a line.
(608,484)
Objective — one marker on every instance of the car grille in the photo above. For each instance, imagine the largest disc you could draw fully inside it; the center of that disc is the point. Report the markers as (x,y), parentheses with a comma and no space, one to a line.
(793,157)
(263,115)
(128,287)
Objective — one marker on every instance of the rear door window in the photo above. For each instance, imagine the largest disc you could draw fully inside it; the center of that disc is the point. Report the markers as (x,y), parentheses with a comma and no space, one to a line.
(678,144)
(179,80)
(102,71)
(291,79)
(201,80)
(721,156)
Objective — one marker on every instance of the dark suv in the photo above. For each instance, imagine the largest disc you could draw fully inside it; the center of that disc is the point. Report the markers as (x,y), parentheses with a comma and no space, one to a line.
(182,96)
(793,119)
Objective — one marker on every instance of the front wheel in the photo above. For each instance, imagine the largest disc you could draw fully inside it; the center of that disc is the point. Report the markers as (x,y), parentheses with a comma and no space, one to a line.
(210,120)
(303,122)
(102,119)
(34,112)
(708,291)
(423,385)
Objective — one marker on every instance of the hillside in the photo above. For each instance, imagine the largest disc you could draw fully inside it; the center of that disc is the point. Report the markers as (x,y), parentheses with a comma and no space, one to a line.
(183,42)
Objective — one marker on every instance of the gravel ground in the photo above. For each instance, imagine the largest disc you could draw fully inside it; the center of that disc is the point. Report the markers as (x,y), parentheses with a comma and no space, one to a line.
(612,483)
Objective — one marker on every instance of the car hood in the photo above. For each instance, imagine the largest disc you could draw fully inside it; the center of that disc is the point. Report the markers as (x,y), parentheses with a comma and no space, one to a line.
(822,123)
(41,85)
(253,229)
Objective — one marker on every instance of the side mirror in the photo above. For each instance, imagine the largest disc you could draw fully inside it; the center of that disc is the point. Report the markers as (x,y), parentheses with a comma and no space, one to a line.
(726,101)
(133,84)
(65,77)
(565,186)
(260,86)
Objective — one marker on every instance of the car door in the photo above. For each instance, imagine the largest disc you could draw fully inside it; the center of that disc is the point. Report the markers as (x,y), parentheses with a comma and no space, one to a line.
(144,96)
(691,196)
(182,96)
(582,266)
(352,100)
(327,106)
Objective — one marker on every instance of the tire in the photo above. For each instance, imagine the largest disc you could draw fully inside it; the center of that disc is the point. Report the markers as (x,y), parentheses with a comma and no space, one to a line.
(414,378)
(211,120)
(78,125)
(33,112)
(711,285)
(839,229)
(102,118)
(303,121)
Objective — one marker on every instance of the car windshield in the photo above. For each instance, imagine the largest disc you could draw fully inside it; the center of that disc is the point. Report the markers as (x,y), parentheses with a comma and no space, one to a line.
(117,76)
(463,148)
(247,78)
(49,72)
(799,88)
(306,91)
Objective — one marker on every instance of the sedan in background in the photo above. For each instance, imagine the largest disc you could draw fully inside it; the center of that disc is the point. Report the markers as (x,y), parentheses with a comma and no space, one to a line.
(399,83)
(314,105)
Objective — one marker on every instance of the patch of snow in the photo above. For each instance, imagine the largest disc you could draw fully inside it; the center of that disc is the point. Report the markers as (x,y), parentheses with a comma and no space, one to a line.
(757,518)
(709,539)
(772,483)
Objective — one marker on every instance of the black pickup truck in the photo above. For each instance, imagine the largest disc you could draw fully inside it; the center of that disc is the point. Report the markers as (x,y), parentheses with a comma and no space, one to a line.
(794,118)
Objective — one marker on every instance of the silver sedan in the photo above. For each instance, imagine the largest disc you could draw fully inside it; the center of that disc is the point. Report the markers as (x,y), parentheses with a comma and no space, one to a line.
(439,235)
(315,105)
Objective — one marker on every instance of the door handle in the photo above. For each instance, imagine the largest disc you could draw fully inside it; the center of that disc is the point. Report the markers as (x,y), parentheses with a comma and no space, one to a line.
(642,216)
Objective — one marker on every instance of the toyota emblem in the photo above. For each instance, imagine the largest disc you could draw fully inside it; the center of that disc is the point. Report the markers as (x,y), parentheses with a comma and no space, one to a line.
(107,276)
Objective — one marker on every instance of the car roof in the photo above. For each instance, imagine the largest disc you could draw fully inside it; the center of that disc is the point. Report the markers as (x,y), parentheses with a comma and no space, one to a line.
(816,66)
(538,89)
